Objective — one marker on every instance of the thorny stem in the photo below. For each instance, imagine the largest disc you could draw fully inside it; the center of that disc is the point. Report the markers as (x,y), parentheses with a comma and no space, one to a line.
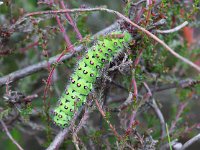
(10,136)
(124,18)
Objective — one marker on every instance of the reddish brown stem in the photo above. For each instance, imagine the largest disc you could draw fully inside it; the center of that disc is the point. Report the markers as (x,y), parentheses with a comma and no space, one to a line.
(104,116)
(68,17)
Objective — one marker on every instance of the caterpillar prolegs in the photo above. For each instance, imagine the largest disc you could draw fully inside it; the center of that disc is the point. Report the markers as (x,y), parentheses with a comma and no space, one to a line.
(86,73)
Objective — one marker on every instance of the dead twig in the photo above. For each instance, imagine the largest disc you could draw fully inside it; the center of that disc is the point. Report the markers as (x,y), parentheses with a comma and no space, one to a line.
(160,116)
(174,29)
(157,111)
(74,139)
(190,142)
(10,136)
(58,139)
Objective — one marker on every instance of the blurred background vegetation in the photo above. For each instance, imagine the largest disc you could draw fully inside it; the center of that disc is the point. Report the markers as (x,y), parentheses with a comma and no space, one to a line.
(39,38)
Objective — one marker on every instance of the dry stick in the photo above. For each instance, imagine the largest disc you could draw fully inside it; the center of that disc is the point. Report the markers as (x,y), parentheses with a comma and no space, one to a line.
(32,68)
(174,29)
(58,139)
(74,139)
(42,65)
(124,18)
(190,142)
(82,121)
(160,116)
(10,136)
(158,112)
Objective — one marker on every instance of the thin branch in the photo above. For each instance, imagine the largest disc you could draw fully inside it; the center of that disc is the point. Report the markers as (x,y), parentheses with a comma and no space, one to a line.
(124,18)
(75,141)
(190,142)
(83,121)
(16,75)
(29,46)
(104,116)
(180,111)
(160,116)
(157,111)
(174,29)
(32,68)
(10,136)
(62,29)
(69,18)
(135,92)
(138,3)
(58,139)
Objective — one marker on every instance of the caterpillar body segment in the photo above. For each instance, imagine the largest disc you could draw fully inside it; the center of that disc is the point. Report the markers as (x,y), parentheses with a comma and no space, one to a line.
(87,72)
(85,75)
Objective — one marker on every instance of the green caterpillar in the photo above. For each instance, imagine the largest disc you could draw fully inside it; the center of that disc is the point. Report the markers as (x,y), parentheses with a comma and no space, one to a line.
(85,75)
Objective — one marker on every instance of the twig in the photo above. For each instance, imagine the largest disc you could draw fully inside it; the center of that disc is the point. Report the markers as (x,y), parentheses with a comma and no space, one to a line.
(42,65)
(127,102)
(58,139)
(134,84)
(69,18)
(29,46)
(10,136)
(190,142)
(160,116)
(83,121)
(135,92)
(74,139)
(32,68)
(157,111)
(124,18)
(174,29)
(138,3)
(180,111)
(104,116)
(62,29)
